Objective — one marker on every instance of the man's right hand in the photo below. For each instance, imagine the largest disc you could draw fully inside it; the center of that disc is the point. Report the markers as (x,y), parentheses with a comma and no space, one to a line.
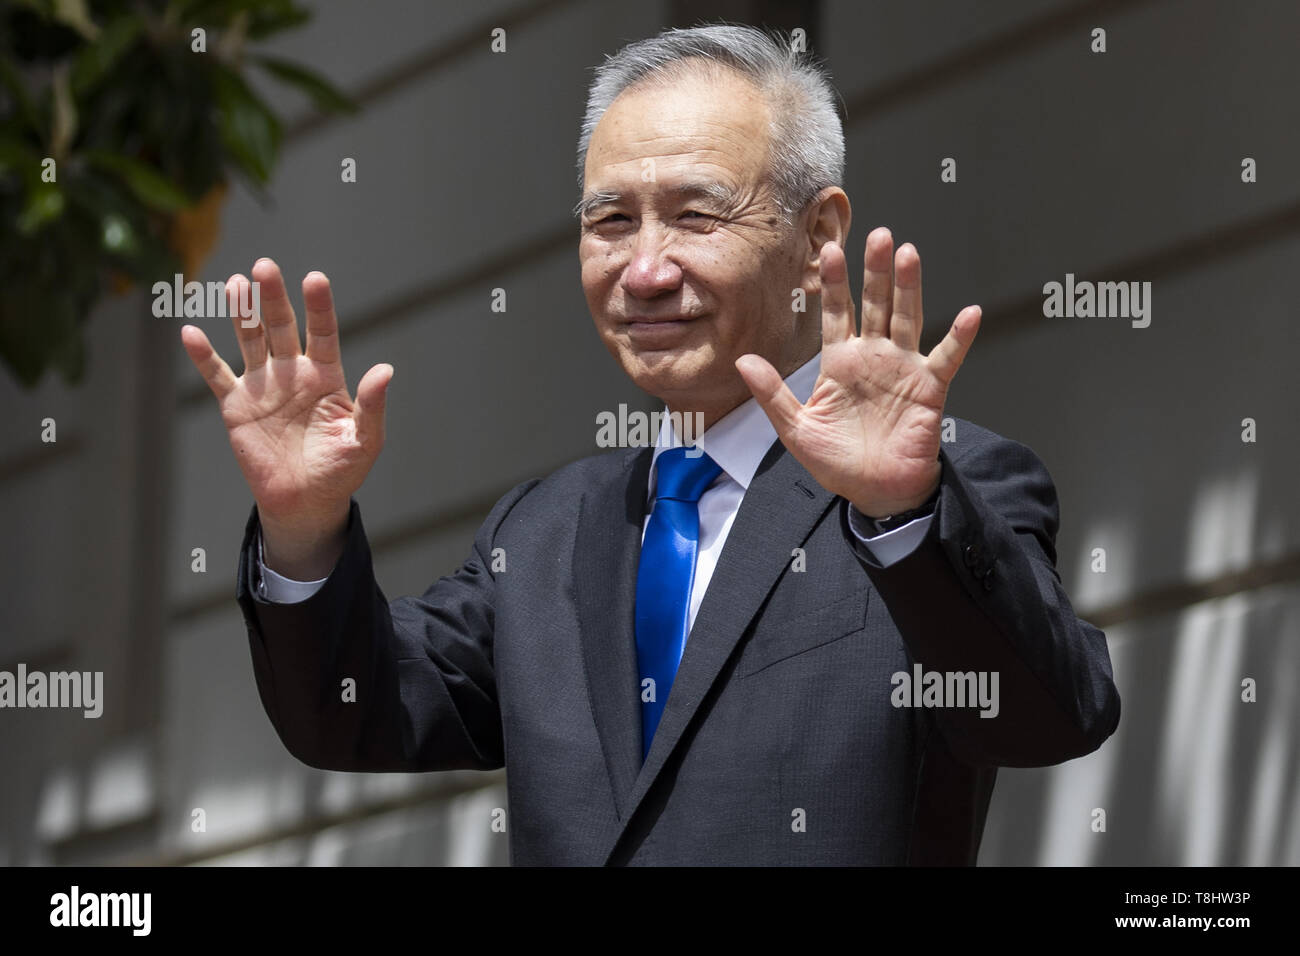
(303,444)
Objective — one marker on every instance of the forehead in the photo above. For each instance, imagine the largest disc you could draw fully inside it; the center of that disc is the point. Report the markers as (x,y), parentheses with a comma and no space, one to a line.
(699,122)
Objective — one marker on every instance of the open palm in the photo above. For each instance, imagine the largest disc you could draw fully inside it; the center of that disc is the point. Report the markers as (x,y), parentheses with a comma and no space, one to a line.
(303,444)
(871,429)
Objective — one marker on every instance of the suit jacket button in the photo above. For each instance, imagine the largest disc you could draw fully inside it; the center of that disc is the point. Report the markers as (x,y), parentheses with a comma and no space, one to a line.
(988,580)
(971,556)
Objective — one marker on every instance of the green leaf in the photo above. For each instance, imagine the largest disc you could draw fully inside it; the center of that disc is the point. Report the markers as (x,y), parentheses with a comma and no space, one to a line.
(64,123)
(43,205)
(327,97)
(95,61)
(273,16)
(250,132)
(15,154)
(65,346)
(73,13)
(149,186)
(44,7)
(265,17)
(12,80)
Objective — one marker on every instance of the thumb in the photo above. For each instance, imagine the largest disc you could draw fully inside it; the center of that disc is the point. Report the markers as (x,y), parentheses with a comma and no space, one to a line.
(372,398)
(771,392)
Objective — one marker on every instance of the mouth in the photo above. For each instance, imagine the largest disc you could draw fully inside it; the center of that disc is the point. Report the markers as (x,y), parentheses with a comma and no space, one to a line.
(659,332)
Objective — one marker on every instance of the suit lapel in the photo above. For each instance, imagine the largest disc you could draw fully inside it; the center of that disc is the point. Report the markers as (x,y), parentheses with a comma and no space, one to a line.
(780,509)
(605,555)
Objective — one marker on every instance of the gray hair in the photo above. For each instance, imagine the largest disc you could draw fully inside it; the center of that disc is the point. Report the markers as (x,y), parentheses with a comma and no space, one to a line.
(806,138)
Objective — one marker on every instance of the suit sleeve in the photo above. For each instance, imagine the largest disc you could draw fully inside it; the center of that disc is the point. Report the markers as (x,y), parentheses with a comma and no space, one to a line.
(981,593)
(423,692)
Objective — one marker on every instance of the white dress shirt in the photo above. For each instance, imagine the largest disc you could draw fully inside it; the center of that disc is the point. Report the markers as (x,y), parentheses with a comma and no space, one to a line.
(737,443)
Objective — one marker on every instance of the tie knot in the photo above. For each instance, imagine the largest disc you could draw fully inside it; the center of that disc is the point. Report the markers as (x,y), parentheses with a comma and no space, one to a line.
(683,478)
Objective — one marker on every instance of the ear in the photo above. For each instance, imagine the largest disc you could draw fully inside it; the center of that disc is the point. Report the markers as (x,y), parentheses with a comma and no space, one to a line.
(825,218)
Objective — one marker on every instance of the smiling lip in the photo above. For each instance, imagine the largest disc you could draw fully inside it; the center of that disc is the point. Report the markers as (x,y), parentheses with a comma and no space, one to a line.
(654,320)
(658,332)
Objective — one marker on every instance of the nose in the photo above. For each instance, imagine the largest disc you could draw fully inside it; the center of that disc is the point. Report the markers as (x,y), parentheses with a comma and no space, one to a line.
(651,270)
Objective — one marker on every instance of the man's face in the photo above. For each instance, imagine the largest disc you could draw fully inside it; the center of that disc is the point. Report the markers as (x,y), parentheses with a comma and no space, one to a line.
(682,282)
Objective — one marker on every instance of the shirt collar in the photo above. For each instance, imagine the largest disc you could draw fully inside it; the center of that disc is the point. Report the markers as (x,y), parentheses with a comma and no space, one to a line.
(740,439)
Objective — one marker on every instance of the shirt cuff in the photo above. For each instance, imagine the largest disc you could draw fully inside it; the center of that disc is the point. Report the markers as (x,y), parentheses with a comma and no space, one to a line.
(278,589)
(892,546)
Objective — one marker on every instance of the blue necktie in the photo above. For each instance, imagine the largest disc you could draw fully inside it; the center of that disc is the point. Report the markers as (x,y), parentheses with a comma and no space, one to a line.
(664,578)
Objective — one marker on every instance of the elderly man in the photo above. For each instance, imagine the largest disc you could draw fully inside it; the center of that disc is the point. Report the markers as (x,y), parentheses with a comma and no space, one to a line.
(811,639)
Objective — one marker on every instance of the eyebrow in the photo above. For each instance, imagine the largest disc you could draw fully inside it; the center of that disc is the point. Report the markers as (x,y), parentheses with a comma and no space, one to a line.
(702,189)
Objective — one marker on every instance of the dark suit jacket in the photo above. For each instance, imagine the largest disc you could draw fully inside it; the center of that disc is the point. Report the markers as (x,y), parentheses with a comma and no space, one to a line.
(779,743)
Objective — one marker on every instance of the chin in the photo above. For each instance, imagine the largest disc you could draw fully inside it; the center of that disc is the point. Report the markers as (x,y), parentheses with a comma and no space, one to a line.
(685,375)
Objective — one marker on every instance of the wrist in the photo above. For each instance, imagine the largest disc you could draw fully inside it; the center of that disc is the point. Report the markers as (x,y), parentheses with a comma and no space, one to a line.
(304,547)
(922,503)
(883,524)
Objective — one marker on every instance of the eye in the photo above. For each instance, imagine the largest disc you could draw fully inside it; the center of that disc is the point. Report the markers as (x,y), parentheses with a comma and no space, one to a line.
(696,214)
(612,219)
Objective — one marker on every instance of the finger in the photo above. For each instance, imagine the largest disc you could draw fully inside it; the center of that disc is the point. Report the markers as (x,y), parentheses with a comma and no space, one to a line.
(877,283)
(277,310)
(322,323)
(837,302)
(247,323)
(372,399)
(771,392)
(214,370)
(946,357)
(905,323)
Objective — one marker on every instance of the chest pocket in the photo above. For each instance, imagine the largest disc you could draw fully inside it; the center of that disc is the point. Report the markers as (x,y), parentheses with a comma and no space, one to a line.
(798,633)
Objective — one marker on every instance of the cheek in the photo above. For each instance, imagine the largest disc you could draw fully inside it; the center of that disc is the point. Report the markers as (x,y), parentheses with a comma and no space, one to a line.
(763,295)
(741,263)
(598,275)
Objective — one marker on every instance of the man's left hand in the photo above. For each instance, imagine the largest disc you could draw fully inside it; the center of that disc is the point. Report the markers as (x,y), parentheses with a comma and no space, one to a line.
(870,431)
